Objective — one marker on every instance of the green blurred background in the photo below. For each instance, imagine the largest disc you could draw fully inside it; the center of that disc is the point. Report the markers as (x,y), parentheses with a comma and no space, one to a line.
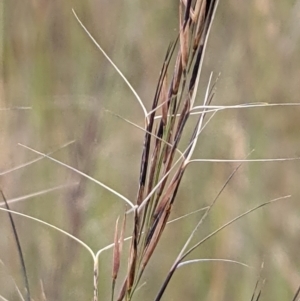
(49,64)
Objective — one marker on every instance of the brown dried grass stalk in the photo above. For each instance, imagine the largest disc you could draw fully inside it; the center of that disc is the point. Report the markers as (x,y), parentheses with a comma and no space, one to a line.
(157,189)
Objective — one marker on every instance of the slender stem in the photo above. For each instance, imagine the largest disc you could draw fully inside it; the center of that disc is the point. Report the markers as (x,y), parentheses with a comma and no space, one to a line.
(96,278)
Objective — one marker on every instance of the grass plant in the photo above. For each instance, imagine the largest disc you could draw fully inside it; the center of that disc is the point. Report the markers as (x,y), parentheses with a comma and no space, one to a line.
(171,137)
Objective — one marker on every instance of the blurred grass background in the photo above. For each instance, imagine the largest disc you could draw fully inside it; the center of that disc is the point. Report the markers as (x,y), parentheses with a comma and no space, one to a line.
(49,64)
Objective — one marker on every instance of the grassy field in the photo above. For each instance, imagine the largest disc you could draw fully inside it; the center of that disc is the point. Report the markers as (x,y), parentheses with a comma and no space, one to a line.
(59,95)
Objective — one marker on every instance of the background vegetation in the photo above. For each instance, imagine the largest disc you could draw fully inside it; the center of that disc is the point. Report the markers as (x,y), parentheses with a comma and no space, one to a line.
(49,64)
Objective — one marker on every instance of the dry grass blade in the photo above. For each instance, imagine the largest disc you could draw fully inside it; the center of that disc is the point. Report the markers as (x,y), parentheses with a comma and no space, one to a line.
(184,35)
(164,100)
(192,261)
(114,66)
(177,75)
(39,193)
(245,160)
(15,108)
(214,108)
(117,250)
(116,258)
(198,128)
(96,279)
(19,248)
(133,255)
(122,234)
(35,160)
(187,215)
(149,127)
(82,174)
(142,129)
(53,227)
(154,235)
(253,105)
(198,17)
